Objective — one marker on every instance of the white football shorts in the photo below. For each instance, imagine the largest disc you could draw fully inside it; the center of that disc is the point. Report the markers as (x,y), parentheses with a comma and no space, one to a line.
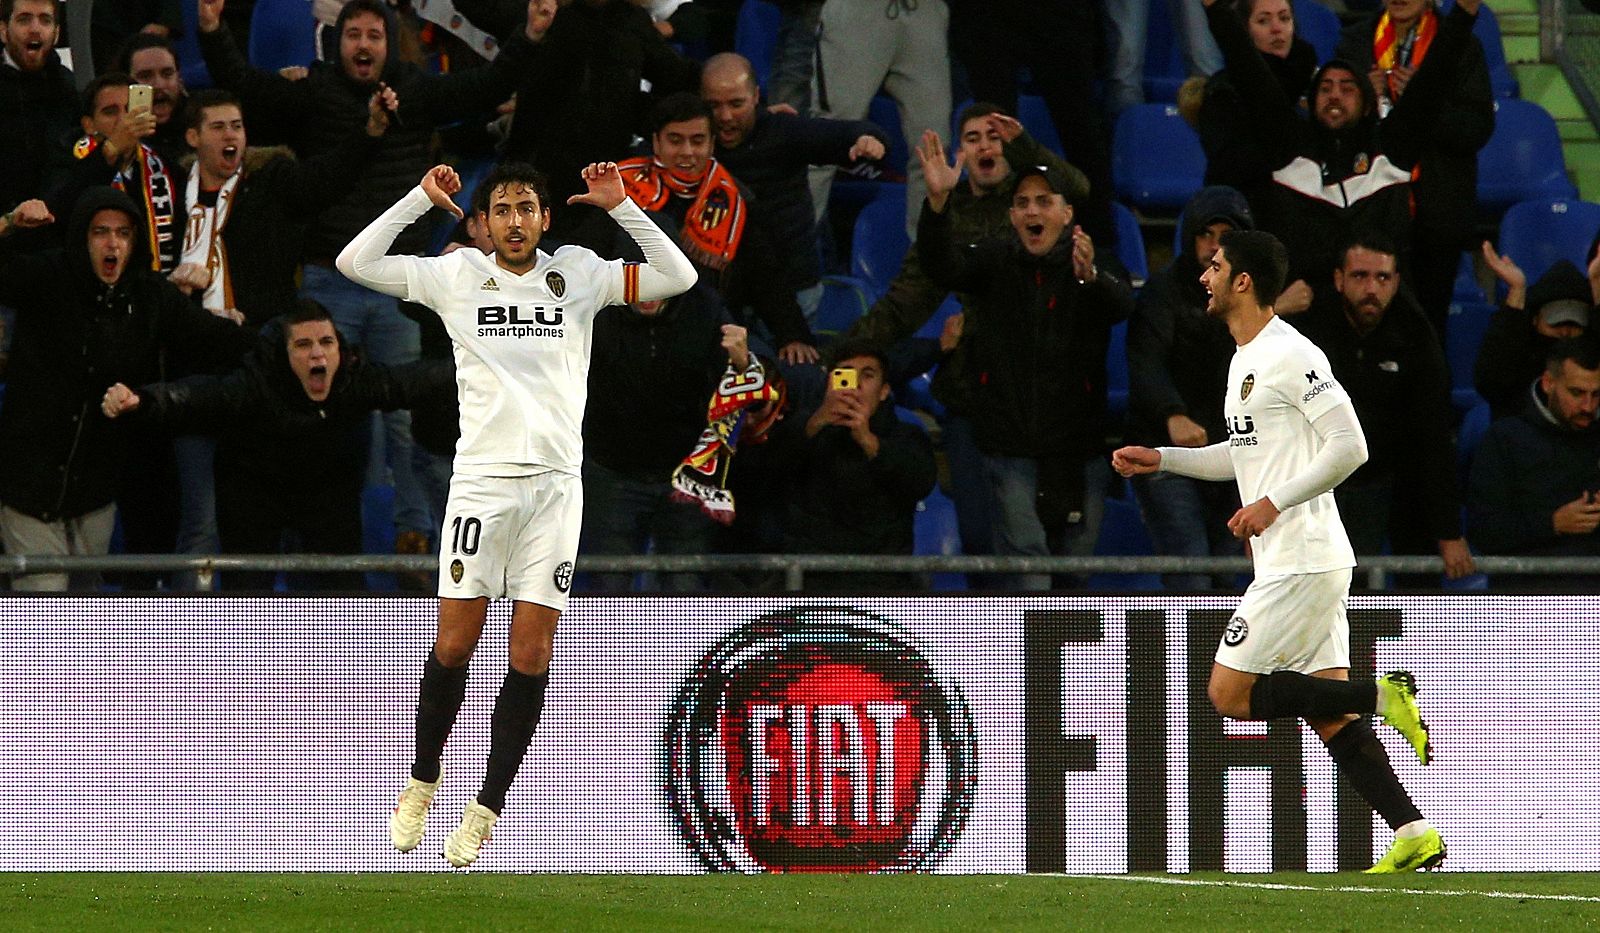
(1295,622)
(511,536)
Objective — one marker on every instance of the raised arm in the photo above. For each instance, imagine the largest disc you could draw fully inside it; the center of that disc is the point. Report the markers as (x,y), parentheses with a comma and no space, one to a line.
(364,260)
(666,271)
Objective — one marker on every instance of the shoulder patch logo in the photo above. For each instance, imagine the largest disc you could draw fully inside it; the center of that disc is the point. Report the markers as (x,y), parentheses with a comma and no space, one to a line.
(1238,630)
(457,571)
(1246,386)
(556,284)
(563,574)
(489,285)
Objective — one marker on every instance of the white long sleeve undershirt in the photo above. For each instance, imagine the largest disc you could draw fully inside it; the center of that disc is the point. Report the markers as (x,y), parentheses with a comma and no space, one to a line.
(1343,450)
(665,273)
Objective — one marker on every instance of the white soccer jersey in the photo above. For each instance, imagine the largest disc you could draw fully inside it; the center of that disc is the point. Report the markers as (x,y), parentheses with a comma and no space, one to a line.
(522,352)
(1278,384)
(521,341)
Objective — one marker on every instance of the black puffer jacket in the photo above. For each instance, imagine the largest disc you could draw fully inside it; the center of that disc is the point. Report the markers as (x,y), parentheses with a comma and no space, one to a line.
(273,438)
(1038,362)
(327,106)
(1178,355)
(75,337)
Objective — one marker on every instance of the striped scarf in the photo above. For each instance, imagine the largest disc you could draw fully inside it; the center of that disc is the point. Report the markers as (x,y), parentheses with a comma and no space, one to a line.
(702,478)
(714,224)
(1390,51)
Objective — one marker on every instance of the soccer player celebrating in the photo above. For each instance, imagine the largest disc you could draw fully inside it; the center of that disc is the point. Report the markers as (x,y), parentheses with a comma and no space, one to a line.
(520,322)
(1292,437)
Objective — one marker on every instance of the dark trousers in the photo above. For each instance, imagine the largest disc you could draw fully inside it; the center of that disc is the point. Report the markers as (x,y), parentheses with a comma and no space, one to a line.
(251,520)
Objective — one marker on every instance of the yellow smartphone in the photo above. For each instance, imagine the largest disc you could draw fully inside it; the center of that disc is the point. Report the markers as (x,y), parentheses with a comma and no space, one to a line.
(139,97)
(845,377)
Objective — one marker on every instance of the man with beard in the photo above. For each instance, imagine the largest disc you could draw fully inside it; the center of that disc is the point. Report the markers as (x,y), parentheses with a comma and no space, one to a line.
(39,106)
(1346,168)
(521,322)
(1535,486)
(90,314)
(1043,311)
(325,107)
(1293,436)
(292,438)
(1391,45)
(1387,356)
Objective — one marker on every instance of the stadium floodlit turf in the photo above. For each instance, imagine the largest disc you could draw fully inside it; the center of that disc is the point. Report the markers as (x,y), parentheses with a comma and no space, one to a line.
(483,900)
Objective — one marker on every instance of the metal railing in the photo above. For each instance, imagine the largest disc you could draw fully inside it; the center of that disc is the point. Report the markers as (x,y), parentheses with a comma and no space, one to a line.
(1374,570)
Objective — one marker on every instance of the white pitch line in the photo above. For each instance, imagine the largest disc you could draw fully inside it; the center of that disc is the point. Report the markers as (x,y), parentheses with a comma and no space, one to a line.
(1353,889)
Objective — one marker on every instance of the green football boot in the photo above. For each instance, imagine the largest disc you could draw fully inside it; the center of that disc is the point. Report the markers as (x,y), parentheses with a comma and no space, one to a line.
(1397,694)
(1422,853)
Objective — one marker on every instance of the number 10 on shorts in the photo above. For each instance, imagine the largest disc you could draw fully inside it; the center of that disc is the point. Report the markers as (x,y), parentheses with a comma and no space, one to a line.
(464,535)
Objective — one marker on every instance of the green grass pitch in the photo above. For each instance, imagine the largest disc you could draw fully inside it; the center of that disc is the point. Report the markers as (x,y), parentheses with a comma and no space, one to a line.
(489,901)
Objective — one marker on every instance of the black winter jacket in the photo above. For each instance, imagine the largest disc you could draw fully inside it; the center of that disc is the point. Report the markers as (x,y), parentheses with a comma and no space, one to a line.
(1178,355)
(75,337)
(773,162)
(273,439)
(326,106)
(649,380)
(38,120)
(1447,165)
(1513,351)
(1400,385)
(1038,361)
(1527,467)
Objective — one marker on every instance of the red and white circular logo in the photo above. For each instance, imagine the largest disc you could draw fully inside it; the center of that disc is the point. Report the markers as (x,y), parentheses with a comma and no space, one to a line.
(819,739)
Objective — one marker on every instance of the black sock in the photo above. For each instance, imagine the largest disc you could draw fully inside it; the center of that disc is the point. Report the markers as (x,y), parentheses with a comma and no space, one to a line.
(437,704)
(1361,758)
(516,715)
(1291,695)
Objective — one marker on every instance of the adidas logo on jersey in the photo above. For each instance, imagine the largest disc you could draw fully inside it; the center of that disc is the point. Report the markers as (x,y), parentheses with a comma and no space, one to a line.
(489,285)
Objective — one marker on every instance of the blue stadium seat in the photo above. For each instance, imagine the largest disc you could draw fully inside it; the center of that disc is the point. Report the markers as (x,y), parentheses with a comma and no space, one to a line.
(878,244)
(1467,287)
(282,33)
(1156,159)
(192,64)
(934,326)
(1117,373)
(1537,233)
(1523,160)
(916,394)
(844,300)
(1464,331)
(1130,244)
(472,172)
(935,532)
(1487,29)
(1164,70)
(1036,119)
(886,114)
(1122,533)
(755,36)
(1318,25)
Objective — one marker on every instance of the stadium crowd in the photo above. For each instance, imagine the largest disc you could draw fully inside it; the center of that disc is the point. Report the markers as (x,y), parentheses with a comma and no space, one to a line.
(187,372)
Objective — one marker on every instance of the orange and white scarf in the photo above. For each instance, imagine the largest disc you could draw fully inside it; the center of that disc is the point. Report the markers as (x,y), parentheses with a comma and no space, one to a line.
(714,225)
(202,239)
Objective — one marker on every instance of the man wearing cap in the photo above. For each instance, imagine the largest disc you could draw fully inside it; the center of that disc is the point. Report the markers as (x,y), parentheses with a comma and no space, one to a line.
(1535,482)
(1387,356)
(1178,358)
(1043,312)
(1529,323)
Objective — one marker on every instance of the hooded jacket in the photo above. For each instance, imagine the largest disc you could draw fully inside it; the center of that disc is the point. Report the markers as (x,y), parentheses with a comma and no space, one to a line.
(1526,467)
(273,441)
(76,336)
(324,108)
(1513,351)
(1236,155)
(1037,363)
(1327,182)
(1178,355)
